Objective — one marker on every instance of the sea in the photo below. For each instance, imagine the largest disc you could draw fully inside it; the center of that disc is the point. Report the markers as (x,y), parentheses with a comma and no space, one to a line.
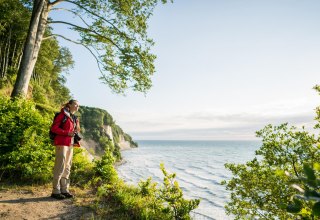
(199,166)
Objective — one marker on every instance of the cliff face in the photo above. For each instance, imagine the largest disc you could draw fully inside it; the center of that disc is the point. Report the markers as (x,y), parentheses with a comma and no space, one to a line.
(100,132)
(122,142)
(124,145)
(108,131)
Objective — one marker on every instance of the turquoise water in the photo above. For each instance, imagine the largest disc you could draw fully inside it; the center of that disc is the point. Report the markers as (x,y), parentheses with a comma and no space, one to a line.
(199,166)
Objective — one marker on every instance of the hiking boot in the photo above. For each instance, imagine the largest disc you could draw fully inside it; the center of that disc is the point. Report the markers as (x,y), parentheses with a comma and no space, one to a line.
(67,195)
(58,196)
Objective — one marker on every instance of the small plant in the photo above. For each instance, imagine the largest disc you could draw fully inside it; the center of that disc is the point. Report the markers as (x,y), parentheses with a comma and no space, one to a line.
(105,169)
(172,194)
(147,201)
(82,167)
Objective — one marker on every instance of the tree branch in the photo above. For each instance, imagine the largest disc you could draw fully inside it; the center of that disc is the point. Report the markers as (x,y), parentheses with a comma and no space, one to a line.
(98,16)
(55,2)
(95,14)
(48,37)
(88,48)
(75,13)
(87,29)
(294,167)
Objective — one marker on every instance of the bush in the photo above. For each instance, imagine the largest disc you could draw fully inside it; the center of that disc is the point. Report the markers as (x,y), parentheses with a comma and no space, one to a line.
(82,168)
(147,201)
(104,168)
(25,149)
(171,193)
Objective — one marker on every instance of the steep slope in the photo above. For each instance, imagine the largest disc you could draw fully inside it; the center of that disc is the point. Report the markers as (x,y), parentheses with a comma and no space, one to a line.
(100,132)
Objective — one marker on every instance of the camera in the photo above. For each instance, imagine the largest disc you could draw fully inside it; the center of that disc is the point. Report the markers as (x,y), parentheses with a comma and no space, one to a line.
(77,137)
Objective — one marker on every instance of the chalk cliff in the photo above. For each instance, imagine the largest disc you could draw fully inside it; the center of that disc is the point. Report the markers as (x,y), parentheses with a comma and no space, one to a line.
(100,132)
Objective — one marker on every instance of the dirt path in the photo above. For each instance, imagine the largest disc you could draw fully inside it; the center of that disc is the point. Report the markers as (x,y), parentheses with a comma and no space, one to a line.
(36,203)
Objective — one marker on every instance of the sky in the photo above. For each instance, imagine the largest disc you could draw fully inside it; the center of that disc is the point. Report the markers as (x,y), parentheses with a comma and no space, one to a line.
(224,70)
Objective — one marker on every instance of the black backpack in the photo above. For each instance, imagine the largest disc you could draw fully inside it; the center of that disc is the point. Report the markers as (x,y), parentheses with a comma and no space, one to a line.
(51,134)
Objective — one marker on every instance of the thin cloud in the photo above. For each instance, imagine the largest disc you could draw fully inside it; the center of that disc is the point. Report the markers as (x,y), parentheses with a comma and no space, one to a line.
(215,126)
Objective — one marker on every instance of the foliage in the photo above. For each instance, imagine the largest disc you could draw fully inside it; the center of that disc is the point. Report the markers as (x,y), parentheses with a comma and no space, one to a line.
(306,204)
(47,87)
(26,154)
(172,194)
(47,79)
(95,122)
(82,167)
(14,20)
(117,37)
(114,32)
(147,201)
(47,84)
(25,149)
(130,140)
(105,169)
(12,13)
(260,188)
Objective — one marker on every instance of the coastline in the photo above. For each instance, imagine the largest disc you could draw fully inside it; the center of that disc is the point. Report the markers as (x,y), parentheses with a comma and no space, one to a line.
(199,166)
(119,163)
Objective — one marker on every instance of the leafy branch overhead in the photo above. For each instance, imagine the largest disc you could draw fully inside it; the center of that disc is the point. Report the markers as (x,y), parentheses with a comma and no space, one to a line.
(118,41)
(115,33)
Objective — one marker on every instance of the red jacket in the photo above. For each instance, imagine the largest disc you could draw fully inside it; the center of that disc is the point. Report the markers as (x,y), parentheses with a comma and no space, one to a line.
(62,137)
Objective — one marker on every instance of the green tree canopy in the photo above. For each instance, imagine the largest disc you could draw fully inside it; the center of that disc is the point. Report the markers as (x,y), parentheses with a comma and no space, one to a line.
(115,33)
(47,81)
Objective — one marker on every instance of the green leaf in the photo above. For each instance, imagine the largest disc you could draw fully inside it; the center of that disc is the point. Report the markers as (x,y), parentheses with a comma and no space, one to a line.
(294,208)
(311,193)
(316,209)
(309,172)
(316,166)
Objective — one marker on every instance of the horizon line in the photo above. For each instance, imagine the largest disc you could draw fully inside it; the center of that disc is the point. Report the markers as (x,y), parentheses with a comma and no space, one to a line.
(197,140)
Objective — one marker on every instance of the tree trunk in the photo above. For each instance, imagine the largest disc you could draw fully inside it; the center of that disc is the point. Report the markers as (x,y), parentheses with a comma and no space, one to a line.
(8,53)
(19,57)
(1,60)
(13,56)
(5,56)
(31,49)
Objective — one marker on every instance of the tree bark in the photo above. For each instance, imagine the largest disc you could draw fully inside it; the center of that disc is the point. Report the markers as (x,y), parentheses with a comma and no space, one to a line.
(31,49)
(1,60)
(8,53)
(19,57)
(5,56)
(13,56)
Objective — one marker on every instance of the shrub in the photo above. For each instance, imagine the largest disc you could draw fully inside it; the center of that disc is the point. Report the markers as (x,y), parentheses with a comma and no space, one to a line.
(104,168)
(82,168)
(147,201)
(171,193)
(25,149)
